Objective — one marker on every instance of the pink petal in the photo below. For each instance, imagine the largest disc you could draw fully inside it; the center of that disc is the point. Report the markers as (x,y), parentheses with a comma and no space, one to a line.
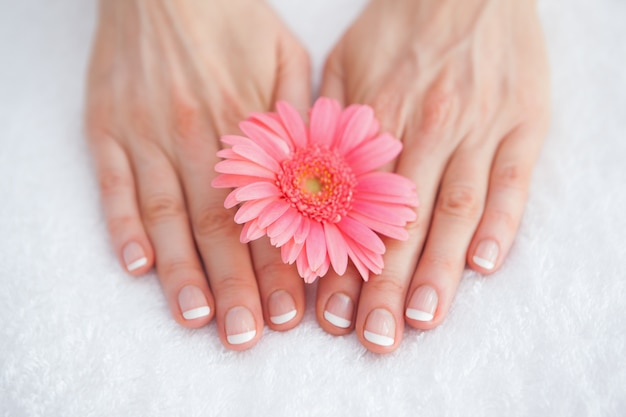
(233,140)
(303,230)
(294,124)
(373,153)
(244,168)
(257,155)
(228,153)
(302,264)
(271,122)
(411,200)
(251,209)
(323,270)
(385,183)
(395,232)
(278,147)
(231,200)
(316,246)
(280,237)
(324,119)
(272,213)
(337,248)
(232,181)
(251,231)
(394,214)
(373,261)
(257,190)
(356,128)
(365,273)
(290,251)
(360,233)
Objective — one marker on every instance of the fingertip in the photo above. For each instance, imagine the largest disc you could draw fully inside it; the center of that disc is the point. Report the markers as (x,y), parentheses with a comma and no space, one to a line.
(137,256)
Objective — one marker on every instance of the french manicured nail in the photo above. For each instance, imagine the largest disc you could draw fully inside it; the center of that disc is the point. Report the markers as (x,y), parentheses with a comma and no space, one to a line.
(339,310)
(380,327)
(134,256)
(240,326)
(193,303)
(281,307)
(423,304)
(486,254)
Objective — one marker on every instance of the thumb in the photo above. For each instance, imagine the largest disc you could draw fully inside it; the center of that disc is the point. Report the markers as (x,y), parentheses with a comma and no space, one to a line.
(332,79)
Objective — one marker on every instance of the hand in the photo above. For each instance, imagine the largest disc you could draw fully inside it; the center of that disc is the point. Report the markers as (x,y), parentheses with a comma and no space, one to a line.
(166,80)
(464,85)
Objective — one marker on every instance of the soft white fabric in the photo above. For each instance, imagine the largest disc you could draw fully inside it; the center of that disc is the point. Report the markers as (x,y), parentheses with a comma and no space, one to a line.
(545,336)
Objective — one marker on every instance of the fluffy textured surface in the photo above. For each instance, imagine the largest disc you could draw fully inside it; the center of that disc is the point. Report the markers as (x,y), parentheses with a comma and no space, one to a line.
(78,337)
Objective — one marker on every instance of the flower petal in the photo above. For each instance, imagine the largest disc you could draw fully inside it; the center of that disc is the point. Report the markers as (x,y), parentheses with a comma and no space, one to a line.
(324,119)
(290,251)
(316,246)
(410,200)
(271,122)
(272,213)
(257,190)
(337,248)
(256,154)
(360,233)
(251,231)
(251,169)
(251,209)
(394,214)
(277,146)
(395,232)
(303,230)
(356,128)
(293,123)
(360,266)
(280,233)
(373,154)
(232,181)
(386,183)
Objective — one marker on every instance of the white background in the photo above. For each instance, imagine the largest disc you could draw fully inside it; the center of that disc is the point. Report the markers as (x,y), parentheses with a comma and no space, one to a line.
(545,336)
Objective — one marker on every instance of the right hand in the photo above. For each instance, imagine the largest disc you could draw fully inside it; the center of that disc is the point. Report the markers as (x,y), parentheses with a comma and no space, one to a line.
(166,80)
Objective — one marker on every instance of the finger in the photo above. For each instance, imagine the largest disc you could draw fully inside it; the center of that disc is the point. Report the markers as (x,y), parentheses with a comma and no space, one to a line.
(280,287)
(117,191)
(506,199)
(457,212)
(332,78)
(337,298)
(427,145)
(165,217)
(293,82)
(227,261)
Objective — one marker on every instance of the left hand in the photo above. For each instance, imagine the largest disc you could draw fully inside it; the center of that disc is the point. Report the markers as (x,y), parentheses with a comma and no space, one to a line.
(464,84)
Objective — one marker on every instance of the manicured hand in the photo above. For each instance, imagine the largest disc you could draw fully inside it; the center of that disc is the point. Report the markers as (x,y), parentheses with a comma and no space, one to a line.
(464,85)
(166,80)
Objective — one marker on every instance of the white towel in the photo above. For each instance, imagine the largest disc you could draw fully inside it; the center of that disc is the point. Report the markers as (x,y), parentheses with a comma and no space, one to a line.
(545,336)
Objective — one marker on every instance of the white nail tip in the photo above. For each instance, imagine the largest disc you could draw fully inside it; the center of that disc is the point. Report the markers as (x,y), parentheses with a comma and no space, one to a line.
(284,318)
(336,320)
(137,264)
(483,263)
(378,339)
(196,313)
(418,315)
(238,339)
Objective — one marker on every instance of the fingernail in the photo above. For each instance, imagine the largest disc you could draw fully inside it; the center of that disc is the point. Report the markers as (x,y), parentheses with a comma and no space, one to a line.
(240,326)
(486,254)
(380,327)
(339,310)
(281,307)
(423,304)
(193,303)
(134,257)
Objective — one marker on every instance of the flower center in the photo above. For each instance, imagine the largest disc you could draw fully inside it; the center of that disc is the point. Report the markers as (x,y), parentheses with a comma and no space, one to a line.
(318,183)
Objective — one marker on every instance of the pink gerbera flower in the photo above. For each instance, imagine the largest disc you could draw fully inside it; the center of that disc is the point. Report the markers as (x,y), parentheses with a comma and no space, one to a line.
(314,190)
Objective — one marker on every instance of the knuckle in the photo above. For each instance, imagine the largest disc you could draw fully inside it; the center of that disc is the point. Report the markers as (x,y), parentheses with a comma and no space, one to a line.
(186,120)
(437,110)
(386,283)
(272,270)
(502,217)
(510,176)
(214,221)
(160,207)
(439,261)
(112,182)
(180,268)
(119,225)
(460,202)
(235,286)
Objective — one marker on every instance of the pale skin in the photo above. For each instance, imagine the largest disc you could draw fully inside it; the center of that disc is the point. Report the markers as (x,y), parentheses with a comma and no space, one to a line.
(464,85)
